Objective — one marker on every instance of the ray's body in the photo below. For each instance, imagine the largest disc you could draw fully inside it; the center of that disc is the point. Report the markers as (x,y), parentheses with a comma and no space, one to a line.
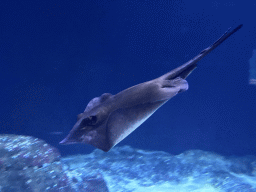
(108,119)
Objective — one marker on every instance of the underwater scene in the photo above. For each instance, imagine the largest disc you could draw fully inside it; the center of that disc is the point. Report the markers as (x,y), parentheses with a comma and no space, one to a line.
(128,96)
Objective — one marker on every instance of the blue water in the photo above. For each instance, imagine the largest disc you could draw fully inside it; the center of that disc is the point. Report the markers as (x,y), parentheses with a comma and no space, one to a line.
(55,56)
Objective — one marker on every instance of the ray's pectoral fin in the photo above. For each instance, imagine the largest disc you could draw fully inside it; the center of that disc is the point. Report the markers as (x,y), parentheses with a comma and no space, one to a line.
(105,128)
(124,121)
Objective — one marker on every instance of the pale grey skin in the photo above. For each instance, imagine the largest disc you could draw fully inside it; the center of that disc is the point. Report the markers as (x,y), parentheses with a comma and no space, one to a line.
(108,119)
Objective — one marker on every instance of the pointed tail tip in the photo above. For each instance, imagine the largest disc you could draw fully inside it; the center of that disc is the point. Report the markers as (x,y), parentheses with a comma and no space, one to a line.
(238,27)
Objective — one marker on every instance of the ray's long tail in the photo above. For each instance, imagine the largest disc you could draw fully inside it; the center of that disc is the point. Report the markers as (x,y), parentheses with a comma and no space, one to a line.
(184,70)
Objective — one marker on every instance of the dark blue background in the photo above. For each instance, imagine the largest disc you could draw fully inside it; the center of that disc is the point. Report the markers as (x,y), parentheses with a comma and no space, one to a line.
(55,56)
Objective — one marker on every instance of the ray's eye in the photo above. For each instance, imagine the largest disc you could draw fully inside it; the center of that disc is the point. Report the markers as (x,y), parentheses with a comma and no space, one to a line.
(89,121)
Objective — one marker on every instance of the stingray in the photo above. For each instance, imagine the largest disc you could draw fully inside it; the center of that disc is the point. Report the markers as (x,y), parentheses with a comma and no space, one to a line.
(108,119)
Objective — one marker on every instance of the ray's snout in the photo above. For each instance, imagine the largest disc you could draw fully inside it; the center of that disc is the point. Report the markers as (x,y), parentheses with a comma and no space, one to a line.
(63,142)
(67,141)
(72,137)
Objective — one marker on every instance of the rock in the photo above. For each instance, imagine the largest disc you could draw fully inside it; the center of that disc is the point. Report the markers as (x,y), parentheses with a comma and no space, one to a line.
(126,169)
(30,164)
